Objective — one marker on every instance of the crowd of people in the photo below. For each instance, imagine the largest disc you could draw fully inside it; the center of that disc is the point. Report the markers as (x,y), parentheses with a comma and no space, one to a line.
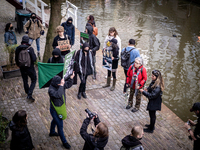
(135,79)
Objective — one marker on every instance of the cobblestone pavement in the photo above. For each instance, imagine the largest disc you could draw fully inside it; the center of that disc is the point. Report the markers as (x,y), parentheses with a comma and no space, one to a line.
(110,106)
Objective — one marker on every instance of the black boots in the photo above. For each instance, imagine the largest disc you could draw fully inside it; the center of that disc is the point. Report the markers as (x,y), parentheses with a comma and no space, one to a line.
(83,94)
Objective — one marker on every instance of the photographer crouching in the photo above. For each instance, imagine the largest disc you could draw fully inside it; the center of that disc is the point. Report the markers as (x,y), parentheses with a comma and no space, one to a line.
(99,138)
(196,134)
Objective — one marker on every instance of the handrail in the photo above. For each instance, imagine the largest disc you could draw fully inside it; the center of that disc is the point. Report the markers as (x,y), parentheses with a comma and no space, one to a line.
(36,8)
(73,14)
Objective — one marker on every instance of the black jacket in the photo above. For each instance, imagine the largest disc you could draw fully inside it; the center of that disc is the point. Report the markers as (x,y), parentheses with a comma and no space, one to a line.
(130,141)
(55,43)
(154,96)
(116,58)
(57,92)
(93,41)
(90,139)
(31,52)
(69,30)
(21,139)
(86,71)
(59,59)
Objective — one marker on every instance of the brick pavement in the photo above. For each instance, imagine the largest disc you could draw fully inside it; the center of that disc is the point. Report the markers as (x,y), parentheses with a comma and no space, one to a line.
(110,105)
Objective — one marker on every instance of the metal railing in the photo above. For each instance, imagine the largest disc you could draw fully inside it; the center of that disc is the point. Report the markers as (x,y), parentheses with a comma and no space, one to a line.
(72,13)
(35,5)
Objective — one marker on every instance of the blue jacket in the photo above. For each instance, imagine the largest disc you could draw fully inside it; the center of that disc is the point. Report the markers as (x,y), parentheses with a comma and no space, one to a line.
(69,30)
(133,54)
(10,38)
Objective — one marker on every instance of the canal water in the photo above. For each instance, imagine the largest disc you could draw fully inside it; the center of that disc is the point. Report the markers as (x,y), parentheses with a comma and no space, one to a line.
(166,31)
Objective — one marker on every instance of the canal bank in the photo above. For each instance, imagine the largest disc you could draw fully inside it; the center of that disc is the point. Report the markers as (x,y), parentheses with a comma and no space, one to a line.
(169,134)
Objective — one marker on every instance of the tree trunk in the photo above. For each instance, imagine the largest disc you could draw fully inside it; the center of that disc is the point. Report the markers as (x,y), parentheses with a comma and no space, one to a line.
(55,20)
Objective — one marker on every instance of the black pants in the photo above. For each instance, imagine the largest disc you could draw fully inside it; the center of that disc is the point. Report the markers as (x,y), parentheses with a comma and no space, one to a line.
(152,115)
(113,74)
(82,86)
(125,72)
(196,144)
(28,72)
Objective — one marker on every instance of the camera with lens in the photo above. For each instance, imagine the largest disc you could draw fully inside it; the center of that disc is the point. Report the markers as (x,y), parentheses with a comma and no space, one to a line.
(188,122)
(90,114)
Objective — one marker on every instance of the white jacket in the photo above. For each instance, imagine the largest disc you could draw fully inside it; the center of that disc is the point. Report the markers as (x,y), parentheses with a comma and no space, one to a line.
(110,38)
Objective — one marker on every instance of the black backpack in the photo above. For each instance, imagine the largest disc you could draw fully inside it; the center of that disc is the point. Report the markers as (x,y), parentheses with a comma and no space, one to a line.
(125,58)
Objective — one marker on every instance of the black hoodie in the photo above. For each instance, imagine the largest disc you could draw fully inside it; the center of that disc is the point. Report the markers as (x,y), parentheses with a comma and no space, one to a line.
(90,142)
(130,141)
(21,139)
(53,59)
(93,41)
(56,92)
(69,29)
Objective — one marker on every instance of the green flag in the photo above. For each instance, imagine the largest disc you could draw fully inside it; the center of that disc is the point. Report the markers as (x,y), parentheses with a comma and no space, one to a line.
(46,71)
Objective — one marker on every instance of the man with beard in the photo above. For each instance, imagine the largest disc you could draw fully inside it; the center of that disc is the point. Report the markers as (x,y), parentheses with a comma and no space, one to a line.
(196,134)
(132,141)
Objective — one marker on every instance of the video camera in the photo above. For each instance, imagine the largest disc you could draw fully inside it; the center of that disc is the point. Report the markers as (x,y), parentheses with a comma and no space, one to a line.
(90,114)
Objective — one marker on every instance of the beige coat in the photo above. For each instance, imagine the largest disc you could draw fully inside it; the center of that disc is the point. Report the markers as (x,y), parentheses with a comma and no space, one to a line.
(34,30)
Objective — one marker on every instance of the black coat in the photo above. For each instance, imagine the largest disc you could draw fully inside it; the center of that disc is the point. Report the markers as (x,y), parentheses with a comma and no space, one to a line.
(57,92)
(116,58)
(55,43)
(90,139)
(21,139)
(93,41)
(69,30)
(31,52)
(130,141)
(154,96)
(86,71)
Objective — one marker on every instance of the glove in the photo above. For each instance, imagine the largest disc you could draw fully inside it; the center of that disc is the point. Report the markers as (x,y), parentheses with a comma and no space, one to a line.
(26,32)
(42,32)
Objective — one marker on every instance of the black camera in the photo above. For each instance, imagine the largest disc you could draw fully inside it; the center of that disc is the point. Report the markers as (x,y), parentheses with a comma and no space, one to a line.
(90,114)
(188,122)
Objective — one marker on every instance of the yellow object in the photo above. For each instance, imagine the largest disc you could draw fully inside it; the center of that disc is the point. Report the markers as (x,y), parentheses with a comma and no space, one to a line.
(108,43)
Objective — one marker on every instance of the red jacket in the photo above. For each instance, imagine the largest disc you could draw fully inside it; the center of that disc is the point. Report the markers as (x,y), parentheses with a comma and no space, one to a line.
(142,77)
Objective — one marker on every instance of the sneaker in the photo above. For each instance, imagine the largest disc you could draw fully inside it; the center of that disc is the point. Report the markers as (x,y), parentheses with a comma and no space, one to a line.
(128,106)
(66,145)
(148,130)
(31,98)
(134,109)
(54,134)
(84,95)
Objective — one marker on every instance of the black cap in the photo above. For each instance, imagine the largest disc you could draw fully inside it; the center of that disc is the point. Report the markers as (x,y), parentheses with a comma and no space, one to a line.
(196,106)
(25,39)
(114,40)
(85,45)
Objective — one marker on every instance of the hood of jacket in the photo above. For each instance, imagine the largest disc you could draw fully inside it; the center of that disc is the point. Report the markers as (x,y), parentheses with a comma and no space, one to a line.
(55,81)
(85,45)
(130,141)
(23,46)
(12,126)
(56,51)
(89,29)
(69,19)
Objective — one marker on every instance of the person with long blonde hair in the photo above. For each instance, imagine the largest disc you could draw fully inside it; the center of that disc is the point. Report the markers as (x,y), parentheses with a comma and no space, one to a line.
(154,94)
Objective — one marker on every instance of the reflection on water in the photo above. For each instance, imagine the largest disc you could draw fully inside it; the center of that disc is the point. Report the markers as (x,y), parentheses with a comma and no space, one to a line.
(166,30)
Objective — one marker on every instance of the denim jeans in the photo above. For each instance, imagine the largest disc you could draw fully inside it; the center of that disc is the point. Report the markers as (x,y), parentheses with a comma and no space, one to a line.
(37,43)
(59,122)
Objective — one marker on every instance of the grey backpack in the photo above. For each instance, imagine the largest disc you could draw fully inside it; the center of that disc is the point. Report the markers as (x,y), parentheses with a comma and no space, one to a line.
(24,58)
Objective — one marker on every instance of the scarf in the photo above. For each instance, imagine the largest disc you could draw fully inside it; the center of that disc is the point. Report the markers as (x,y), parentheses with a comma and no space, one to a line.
(81,69)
